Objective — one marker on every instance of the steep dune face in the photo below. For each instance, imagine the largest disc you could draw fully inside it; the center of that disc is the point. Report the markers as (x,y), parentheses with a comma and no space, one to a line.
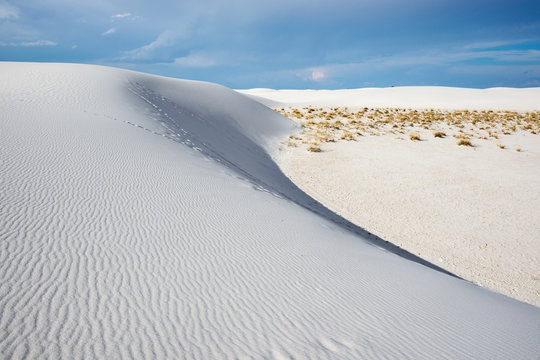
(118,241)
(230,129)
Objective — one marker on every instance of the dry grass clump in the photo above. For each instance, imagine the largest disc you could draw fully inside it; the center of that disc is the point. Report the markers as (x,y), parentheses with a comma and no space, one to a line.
(501,146)
(462,135)
(314,149)
(321,125)
(347,136)
(439,134)
(464,142)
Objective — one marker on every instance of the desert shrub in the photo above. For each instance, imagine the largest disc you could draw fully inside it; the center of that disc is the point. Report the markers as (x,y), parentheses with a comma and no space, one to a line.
(464,142)
(439,134)
(314,149)
(291,144)
(414,137)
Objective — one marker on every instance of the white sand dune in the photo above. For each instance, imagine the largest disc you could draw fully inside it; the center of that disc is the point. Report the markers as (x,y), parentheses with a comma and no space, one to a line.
(415,97)
(145,217)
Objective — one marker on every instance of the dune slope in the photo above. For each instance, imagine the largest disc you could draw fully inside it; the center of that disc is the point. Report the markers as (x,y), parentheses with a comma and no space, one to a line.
(119,241)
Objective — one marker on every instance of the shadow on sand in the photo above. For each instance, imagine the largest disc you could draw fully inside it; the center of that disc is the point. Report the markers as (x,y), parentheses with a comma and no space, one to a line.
(221,141)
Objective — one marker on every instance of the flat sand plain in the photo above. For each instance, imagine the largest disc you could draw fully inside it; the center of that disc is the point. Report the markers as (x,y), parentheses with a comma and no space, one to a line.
(400,174)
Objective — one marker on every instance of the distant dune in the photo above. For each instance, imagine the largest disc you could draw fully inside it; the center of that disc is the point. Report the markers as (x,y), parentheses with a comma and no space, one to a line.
(416,97)
(146,217)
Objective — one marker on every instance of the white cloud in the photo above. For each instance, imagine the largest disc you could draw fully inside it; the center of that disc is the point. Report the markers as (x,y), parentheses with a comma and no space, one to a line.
(30,43)
(126,15)
(121,16)
(109,32)
(153,50)
(446,58)
(195,61)
(38,43)
(512,55)
(8,11)
(318,75)
(492,44)
(501,59)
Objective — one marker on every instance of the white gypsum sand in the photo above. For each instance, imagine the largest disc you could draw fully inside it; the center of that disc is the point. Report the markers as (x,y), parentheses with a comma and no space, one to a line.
(145,217)
(416,97)
(470,210)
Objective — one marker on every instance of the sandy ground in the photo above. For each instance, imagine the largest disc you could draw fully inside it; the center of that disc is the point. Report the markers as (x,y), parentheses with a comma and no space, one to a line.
(473,211)
(146,217)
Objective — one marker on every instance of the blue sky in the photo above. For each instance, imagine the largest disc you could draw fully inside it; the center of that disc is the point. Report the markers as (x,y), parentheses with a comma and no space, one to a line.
(287,43)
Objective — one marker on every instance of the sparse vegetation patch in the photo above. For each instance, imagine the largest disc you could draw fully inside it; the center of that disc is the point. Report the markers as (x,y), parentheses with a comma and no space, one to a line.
(322,125)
